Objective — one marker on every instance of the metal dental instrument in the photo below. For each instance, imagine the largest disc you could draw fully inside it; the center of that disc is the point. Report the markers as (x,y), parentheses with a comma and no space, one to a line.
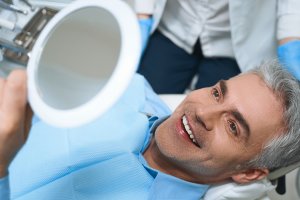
(24,1)
(18,49)
(12,7)
(28,4)
(8,1)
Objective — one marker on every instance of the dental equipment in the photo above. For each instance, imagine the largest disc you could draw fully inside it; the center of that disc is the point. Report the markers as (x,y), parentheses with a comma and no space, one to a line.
(7,24)
(12,7)
(18,49)
(28,4)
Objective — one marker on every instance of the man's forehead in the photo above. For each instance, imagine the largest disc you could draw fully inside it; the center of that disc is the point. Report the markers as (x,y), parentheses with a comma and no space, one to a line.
(247,77)
(256,101)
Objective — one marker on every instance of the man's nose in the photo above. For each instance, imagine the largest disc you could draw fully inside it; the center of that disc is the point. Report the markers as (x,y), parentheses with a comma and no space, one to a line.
(209,115)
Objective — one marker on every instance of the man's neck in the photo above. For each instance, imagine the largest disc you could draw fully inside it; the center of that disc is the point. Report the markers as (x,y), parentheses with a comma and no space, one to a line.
(156,161)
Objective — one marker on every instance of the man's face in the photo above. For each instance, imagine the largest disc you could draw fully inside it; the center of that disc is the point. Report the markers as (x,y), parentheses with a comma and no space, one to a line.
(228,124)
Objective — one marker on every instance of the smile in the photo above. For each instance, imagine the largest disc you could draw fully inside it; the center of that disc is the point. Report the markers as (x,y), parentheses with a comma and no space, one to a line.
(188,129)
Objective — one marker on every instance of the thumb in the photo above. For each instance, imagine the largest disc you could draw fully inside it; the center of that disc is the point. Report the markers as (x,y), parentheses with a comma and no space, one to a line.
(14,96)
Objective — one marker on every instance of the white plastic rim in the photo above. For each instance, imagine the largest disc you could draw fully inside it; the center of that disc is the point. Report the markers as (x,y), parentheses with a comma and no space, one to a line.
(126,64)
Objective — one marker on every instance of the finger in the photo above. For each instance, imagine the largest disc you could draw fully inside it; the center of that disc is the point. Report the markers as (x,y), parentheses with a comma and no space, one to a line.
(28,121)
(2,83)
(14,96)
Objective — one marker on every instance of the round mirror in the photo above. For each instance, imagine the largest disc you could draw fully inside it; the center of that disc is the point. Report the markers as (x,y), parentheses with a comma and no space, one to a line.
(78,58)
(82,61)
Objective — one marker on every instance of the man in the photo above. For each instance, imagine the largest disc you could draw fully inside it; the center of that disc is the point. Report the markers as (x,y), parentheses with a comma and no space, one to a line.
(239,130)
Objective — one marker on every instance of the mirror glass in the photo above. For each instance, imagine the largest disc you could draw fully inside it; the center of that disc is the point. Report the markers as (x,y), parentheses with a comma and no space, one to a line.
(78,58)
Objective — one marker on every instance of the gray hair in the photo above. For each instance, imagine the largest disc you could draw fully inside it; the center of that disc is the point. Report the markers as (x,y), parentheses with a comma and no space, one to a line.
(283,150)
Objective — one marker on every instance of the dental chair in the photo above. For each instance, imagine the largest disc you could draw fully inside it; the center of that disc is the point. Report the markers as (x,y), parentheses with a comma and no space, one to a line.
(232,191)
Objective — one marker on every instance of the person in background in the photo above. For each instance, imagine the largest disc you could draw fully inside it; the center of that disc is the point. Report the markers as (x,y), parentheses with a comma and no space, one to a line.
(215,39)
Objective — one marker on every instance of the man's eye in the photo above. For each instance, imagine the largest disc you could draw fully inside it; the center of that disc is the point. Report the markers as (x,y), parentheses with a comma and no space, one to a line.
(216,94)
(233,127)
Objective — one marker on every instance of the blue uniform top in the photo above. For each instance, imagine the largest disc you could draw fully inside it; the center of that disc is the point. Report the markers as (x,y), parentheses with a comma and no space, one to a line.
(100,160)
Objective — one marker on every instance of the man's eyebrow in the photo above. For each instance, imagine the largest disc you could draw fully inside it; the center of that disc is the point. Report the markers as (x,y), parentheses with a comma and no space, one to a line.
(236,114)
(223,87)
(240,118)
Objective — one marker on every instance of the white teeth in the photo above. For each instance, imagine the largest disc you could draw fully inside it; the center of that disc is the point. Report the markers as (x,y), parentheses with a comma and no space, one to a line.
(188,129)
(184,120)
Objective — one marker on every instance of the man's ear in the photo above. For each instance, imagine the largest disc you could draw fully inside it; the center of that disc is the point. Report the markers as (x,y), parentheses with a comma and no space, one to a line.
(250,175)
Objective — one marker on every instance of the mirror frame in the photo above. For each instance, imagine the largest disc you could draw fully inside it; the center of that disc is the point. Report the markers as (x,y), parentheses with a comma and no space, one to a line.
(125,68)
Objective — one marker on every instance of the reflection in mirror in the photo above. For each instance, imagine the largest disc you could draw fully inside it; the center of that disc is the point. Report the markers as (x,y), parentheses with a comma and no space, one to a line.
(78,58)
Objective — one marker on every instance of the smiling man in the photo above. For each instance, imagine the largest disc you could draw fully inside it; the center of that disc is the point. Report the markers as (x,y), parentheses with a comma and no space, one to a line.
(216,130)
(238,130)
